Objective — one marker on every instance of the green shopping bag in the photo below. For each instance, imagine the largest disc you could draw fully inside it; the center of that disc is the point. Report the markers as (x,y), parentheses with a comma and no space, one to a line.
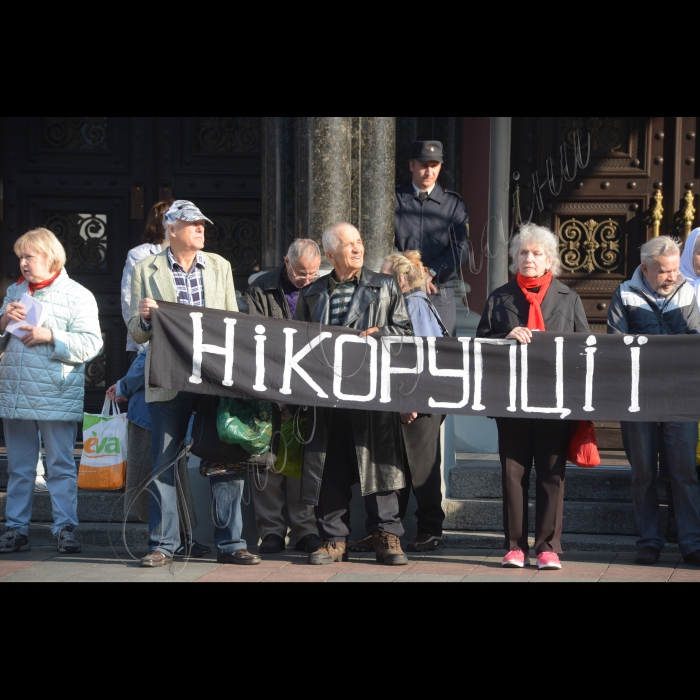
(245,422)
(290,461)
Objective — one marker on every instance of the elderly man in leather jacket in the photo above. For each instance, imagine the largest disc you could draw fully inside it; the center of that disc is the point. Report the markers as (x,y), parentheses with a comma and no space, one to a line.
(351,446)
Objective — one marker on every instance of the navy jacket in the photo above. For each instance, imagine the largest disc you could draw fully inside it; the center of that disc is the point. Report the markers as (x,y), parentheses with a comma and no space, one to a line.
(133,387)
(439,228)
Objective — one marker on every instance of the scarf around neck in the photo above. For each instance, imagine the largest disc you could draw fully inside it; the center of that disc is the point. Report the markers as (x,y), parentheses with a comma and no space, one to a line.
(526,284)
(39,285)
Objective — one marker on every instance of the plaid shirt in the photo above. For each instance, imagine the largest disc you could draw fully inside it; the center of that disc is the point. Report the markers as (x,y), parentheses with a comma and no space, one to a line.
(189,285)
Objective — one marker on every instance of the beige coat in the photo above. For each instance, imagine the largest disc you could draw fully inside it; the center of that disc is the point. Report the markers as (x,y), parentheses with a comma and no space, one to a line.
(153,279)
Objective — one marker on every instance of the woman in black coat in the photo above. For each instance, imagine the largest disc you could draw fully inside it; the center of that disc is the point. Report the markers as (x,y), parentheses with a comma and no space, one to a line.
(534,302)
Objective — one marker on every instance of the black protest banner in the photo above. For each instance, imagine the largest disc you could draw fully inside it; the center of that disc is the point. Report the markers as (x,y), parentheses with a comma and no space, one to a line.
(570,377)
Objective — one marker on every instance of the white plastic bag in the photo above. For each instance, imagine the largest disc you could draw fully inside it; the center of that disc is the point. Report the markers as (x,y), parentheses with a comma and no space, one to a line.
(106,442)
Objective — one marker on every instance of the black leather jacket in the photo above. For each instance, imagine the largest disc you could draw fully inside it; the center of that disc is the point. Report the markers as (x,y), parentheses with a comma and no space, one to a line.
(377,303)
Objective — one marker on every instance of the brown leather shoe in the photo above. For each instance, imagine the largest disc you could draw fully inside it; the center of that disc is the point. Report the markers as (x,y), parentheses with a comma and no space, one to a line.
(240,558)
(155,560)
(388,548)
(329,553)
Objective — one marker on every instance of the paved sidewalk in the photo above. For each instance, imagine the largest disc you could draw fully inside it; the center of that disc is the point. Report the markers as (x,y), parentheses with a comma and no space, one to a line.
(447,566)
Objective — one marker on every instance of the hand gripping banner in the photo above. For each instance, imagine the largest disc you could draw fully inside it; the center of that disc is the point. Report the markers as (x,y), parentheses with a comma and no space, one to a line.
(567,376)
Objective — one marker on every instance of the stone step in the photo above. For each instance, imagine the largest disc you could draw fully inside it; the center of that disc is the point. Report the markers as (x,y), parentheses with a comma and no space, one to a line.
(3,470)
(93,507)
(483,480)
(98,535)
(617,544)
(580,517)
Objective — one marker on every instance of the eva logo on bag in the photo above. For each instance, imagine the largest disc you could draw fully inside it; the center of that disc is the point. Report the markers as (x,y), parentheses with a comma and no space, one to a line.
(104,449)
(103,464)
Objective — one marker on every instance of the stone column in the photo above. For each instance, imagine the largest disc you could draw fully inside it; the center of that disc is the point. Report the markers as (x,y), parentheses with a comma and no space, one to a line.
(499,201)
(324,174)
(277,210)
(376,187)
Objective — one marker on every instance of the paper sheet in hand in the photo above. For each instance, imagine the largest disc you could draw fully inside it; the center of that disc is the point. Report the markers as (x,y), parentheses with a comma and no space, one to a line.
(36,315)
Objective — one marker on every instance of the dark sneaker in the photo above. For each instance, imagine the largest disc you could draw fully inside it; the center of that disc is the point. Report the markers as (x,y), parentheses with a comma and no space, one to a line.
(12,543)
(156,560)
(648,556)
(365,546)
(388,549)
(67,543)
(272,544)
(240,558)
(192,550)
(309,544)
(329,553)
(425,543)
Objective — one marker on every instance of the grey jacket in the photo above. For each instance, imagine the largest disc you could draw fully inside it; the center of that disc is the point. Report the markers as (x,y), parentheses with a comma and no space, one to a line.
(633,310)
(508,309)
(377,303)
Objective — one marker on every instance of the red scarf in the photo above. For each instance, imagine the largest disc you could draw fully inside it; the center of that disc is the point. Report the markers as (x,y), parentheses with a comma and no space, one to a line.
(39,285)
(536,320)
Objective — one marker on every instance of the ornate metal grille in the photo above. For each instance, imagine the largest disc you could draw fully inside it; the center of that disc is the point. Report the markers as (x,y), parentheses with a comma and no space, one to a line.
(237,240)
(229,134)
(96,370)
(591,246)
(84,236)
(608,134)
(76,133)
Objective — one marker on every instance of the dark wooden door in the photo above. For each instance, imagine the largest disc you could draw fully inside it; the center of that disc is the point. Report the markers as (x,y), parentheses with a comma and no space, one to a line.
(92,180)
(641,180)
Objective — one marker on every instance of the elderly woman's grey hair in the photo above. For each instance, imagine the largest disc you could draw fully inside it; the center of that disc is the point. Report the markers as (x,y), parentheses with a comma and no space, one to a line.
(661,247)
(331,236)
(697,246)
(302,249)
(537,235)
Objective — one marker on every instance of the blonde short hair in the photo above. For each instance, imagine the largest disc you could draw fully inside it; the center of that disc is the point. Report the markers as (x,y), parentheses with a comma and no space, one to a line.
(45,243)
(408,265)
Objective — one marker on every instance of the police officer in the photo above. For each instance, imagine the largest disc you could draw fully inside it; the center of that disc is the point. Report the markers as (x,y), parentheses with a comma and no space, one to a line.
(436,222)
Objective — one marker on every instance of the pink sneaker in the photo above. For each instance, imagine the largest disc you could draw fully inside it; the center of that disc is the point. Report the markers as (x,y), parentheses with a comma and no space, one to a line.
(516,560)
(548,561)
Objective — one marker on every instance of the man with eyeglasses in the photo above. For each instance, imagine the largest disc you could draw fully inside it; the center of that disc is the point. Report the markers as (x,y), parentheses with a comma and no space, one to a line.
(275,295)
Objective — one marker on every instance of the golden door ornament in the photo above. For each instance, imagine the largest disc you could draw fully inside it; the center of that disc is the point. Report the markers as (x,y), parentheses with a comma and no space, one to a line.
(657,212)
(688,214)
(590,246)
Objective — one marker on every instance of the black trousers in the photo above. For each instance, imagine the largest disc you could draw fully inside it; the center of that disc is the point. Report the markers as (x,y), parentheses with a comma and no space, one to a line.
(341,473)
(423,452)
(546,442)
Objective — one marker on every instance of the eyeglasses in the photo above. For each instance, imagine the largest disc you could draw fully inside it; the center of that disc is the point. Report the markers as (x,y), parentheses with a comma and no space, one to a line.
(306,278)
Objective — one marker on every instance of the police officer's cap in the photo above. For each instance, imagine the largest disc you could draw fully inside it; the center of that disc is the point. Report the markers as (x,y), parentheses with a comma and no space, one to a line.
(428,152)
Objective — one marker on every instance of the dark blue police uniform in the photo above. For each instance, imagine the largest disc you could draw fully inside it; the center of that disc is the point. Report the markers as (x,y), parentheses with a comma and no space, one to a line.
(439,228)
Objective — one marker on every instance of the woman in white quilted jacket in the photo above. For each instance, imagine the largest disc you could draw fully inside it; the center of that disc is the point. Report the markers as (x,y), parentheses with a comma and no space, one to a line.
(42,385)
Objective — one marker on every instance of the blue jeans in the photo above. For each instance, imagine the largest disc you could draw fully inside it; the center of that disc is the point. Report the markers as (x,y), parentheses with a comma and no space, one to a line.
(227,495)
(23,450)
(170,426)
(675,444)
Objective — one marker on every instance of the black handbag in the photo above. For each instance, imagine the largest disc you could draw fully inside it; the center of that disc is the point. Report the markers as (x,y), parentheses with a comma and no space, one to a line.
(208,446)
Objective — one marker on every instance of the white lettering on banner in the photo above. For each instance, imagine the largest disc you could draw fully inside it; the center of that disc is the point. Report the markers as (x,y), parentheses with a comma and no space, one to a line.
(199,348)
(636,370)
(565,412)
(260,339)
(373,367)
(292,361)
(388,370)
(462,373)
(590,370)
(513,378)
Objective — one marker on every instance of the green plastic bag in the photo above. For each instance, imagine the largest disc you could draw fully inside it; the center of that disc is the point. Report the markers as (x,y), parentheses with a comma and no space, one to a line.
(247,423)
(290,461)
